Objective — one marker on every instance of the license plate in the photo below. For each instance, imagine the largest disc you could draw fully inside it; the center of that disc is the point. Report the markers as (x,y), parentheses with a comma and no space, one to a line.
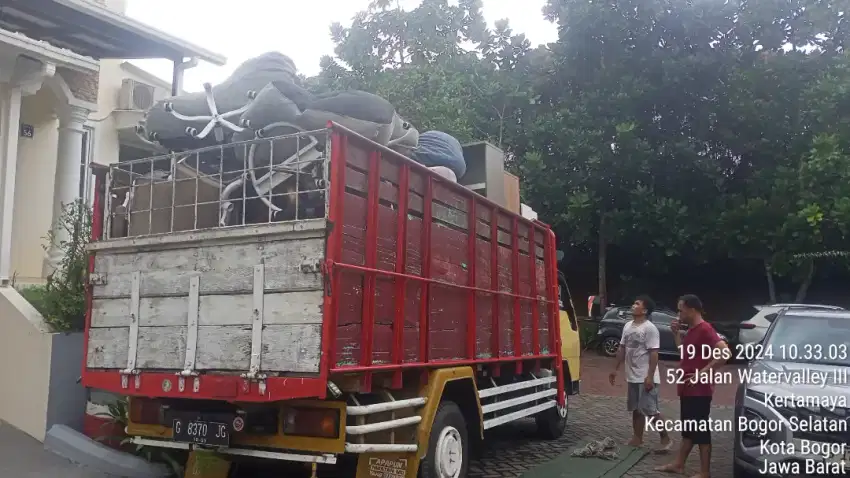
(201,433)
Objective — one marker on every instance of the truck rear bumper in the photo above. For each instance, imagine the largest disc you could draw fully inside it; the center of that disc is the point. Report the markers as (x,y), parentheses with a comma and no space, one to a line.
(325,458)
(211,387)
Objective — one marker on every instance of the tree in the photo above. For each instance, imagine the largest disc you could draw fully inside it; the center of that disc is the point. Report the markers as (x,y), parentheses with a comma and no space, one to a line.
(672,132)
(416,60)
(634,81)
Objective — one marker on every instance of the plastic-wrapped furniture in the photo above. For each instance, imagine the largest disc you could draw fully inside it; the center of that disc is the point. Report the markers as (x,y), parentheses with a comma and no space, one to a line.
(437,148)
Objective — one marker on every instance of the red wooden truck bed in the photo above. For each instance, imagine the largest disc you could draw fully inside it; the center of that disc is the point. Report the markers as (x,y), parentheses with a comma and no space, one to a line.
(403,271)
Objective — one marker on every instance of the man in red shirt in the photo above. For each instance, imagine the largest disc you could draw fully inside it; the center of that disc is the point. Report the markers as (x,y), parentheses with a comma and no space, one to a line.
(701,351)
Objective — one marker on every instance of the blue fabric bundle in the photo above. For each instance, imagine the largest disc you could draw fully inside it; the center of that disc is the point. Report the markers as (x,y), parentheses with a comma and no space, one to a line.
(437,148)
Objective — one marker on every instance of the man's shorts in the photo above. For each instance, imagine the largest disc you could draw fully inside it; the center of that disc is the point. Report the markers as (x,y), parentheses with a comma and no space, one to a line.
(695,415)
(645,402)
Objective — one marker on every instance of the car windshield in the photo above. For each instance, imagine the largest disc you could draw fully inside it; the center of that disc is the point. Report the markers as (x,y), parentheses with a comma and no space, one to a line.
(809,339)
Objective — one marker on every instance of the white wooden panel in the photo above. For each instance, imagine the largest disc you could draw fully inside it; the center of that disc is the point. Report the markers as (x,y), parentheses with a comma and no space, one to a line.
(224,348)
(293,348)
(108,347)
(286,347)
(161,347)
(280,308)
(223,268)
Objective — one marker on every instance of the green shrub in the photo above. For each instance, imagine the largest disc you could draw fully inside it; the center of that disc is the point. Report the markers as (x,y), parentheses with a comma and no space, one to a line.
(587,333)
(62,301)
(35,295)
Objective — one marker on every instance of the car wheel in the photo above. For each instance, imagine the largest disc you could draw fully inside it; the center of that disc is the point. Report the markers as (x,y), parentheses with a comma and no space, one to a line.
(609,346)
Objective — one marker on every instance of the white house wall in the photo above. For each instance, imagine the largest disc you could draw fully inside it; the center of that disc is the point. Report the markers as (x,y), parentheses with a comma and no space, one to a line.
(34,186)
(37,164)
(112,75)
(25,356)
(106,144)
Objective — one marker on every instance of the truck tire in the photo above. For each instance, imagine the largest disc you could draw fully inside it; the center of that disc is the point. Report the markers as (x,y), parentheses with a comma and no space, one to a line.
(448,445)
(552,423)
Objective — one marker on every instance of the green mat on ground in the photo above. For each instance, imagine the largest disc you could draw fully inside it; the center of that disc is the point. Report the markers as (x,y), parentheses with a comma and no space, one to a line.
(565,465)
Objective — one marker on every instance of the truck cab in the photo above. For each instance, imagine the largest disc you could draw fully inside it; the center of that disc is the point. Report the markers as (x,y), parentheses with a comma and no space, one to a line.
(570,338)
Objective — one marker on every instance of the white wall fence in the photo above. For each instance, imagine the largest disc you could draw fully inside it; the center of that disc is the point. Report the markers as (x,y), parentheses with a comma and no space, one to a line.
(39,370)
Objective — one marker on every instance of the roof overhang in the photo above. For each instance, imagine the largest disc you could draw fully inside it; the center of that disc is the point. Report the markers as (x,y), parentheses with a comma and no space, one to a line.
(91,30)
(47,53)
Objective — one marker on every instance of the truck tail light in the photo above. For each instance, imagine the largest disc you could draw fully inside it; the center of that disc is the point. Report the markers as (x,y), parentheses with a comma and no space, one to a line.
(144,411)
(311,422)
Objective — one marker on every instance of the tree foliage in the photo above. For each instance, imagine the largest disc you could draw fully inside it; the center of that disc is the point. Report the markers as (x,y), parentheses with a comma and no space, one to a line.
(674,132)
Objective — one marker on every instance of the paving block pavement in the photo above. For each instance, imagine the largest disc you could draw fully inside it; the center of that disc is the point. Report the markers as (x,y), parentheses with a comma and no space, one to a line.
(595,370)
(514,449)
(22,456)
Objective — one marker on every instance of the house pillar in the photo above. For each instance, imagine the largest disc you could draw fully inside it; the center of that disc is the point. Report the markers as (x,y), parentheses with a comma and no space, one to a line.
(25,78)
(66,187)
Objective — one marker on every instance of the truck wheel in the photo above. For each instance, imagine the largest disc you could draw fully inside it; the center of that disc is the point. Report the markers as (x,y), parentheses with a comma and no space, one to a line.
(552,423)
(448,446)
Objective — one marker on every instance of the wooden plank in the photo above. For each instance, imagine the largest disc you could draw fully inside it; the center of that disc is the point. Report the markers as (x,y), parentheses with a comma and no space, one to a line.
(286,348)
(450,208)
(223,268)
(280,309)
(292,348)
(107,347)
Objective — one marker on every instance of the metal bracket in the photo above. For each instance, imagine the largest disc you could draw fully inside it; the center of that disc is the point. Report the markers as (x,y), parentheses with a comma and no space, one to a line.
(311,266)
(191,336)
(257,321)
(134,332)
(97,279)
(192,326)
(254,373)
(181,382)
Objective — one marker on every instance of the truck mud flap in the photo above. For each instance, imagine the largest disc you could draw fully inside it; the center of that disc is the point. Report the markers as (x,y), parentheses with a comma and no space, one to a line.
(204,464)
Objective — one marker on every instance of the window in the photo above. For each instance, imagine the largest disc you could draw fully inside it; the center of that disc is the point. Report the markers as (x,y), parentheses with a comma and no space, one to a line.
(661,318)
(563,301)
(771,317)
(815,339)
(86,190)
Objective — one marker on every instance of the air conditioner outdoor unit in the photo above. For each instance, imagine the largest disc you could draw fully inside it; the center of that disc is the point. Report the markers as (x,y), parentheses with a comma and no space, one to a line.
(136,95)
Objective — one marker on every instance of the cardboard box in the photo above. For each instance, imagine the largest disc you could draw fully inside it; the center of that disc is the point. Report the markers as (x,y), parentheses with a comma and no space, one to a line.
(143,221)
(512,202)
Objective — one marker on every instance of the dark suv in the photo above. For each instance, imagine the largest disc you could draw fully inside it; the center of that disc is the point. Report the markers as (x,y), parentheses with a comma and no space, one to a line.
(611,330)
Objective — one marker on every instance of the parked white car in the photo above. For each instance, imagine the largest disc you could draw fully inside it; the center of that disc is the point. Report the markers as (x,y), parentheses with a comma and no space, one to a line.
(753,330)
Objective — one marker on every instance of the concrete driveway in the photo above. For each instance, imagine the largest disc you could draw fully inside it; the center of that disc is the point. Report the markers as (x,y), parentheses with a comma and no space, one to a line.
(22,456)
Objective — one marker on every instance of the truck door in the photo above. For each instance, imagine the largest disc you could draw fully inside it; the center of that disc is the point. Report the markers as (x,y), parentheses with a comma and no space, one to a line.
(570,341)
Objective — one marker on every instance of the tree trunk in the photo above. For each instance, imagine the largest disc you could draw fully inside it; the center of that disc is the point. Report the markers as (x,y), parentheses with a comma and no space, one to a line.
(771,285)
(807,281)
(603,259)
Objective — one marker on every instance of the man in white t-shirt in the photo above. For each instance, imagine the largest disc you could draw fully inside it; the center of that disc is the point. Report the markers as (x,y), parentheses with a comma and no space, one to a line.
(639,350)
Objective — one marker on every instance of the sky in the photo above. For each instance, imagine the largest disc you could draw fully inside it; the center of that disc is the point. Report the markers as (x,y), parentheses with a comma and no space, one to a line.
(242,29)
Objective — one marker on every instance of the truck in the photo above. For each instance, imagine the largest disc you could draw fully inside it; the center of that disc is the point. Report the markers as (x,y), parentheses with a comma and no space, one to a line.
(389,321)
